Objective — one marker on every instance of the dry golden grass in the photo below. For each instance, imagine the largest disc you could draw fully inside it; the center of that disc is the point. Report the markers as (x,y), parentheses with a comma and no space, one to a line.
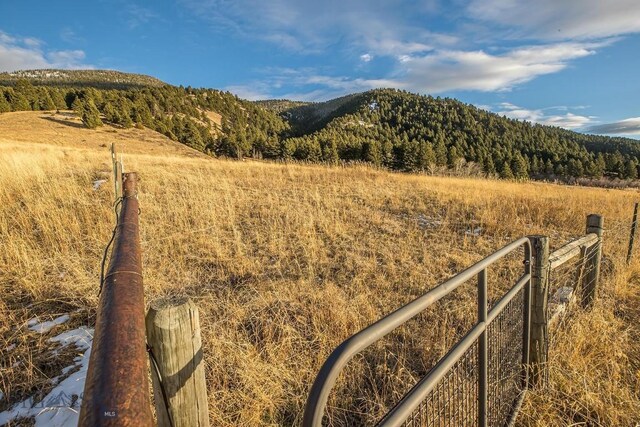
(286,261)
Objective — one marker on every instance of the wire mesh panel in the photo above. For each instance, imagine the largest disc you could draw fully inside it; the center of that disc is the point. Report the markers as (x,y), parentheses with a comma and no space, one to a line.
(454,401)
(505,370)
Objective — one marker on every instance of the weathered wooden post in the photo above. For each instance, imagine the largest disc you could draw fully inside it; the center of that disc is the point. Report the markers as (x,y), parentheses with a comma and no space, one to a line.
(117,172)
(595,224)
(173,335)
(634,224)
(538,308)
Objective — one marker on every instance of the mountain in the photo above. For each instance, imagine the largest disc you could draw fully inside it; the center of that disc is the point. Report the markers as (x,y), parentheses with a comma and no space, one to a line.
(406,131)
(386,127)
(102,79)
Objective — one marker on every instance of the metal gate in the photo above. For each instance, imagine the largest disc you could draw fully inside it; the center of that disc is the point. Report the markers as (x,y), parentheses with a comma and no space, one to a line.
(480,381)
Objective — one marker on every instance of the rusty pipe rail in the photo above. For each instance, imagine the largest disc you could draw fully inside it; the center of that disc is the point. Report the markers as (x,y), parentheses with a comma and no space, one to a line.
(116,391)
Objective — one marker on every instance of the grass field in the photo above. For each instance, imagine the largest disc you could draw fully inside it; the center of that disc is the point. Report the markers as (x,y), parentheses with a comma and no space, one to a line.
(285,261)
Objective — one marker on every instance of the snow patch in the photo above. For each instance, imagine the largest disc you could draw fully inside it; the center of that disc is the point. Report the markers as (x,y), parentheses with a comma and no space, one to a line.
(475,231)
(98,183)
(61,406)
(43,327)
(425,221)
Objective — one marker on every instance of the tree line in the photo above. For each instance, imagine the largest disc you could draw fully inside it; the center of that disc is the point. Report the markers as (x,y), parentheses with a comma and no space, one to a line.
(385,127)
(409,132)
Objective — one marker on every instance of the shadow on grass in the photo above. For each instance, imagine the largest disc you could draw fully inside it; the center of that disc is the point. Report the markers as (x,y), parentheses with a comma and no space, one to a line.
(65,122)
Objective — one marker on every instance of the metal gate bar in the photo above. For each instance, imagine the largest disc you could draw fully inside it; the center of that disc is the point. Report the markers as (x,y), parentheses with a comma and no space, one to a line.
(412,401)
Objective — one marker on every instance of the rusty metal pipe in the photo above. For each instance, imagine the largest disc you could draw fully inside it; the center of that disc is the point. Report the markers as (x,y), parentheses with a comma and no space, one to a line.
(116,391)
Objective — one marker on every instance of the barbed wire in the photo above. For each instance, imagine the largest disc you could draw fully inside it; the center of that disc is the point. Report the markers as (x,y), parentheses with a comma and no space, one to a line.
(116,205)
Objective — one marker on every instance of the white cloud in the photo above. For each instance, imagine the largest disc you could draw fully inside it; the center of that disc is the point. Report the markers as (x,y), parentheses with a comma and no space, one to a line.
(424,60)
(560,19)
(32,42)
(137,15)
(630,126)
(438,72)
(308,26)
(27,53)
(449,70)
(250,92)
(568,120)
(304,84)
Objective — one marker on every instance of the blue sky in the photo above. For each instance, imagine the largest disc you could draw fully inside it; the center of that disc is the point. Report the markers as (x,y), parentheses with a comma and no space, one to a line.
(569,63)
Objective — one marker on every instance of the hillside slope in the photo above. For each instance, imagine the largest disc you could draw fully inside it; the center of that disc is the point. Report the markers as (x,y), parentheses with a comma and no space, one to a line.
(405,131)
(65,130)
(389,128)
(284,262)
(101,79)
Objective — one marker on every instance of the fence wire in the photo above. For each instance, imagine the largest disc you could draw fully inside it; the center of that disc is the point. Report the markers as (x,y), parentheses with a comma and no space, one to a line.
(505,369)
(568,281)
(454,401)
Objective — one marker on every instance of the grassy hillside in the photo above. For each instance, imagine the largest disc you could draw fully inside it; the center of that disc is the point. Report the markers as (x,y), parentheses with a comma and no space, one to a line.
(285,261)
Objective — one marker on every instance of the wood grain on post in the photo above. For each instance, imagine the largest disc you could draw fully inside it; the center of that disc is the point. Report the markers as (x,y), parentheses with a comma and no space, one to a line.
(539,301)
(173,333)
(595,224)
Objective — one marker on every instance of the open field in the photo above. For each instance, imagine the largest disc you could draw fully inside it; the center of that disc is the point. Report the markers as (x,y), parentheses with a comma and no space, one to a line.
(285,261)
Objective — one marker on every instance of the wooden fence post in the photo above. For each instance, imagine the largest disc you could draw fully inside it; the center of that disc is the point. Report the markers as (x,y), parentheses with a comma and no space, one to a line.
(593,256)
(538,308)
(634,224)
(173,334)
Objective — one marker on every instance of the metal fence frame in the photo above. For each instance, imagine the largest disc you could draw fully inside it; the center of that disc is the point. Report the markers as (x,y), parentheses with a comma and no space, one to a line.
(326,379)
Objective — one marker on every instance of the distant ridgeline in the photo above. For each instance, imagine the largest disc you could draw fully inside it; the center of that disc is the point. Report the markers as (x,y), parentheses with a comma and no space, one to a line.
(385,127)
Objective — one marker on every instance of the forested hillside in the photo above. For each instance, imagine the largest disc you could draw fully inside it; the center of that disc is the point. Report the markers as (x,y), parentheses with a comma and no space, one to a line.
(180,113)
(410,132)
(386,127)
(103,79)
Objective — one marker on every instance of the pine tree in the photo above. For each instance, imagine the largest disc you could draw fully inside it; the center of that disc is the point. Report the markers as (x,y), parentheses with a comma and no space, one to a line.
(441,151)
(25,88)
(371,152)
(452,156)
(488,166)
(19,102)
(427,157)
(192,137)
(111,114)
(90,114)
(329,151)
(5,107)
(44,102)
(575,168)
(519,167)
(78,106)
(600,165)
(631,169)
(505,171)
(548,167)
(58,99)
